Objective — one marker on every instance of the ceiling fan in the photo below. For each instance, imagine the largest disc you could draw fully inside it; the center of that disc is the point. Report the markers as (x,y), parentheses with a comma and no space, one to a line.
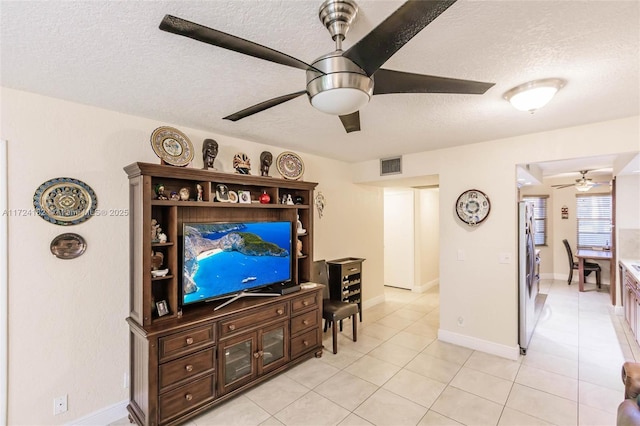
(583,184)
(341,82)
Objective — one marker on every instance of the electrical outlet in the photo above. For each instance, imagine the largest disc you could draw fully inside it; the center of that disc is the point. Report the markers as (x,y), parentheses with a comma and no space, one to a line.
(59,404)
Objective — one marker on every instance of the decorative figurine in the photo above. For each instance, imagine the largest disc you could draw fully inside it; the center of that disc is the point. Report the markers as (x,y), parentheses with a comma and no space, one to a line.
(160,192)
(298,199)
(284,199)
(241,163)
(162,237)
(174,196)
(155,231)
(209,152)
(289,200)
(184,194)
(157,258)
(301,230)
(265,162)
(199,191)
(299,247)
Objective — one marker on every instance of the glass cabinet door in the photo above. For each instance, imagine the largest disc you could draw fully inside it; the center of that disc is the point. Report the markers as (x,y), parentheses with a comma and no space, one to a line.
(274,348)
(237,360)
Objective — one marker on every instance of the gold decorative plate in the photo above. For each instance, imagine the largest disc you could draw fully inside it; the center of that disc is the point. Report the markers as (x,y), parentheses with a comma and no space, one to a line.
(65,201)
(172,146)
(290,165)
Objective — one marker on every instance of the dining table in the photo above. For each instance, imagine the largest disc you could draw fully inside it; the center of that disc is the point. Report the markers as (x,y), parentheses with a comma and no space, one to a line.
(607,255)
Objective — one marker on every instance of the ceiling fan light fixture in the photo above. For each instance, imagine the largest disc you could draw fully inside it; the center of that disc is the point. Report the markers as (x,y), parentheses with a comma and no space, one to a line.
(340,101)
(583,186)
(534,94)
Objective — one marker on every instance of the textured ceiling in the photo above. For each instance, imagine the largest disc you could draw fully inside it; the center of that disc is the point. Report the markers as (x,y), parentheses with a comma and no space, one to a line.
(111,54)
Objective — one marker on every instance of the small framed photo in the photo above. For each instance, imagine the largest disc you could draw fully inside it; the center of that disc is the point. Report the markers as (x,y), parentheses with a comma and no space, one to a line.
(222,193)
(244,197)
(162,308)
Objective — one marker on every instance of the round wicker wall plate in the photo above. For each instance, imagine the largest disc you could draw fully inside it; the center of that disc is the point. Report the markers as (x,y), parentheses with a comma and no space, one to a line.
(172,146)
(65,201)
(290,165)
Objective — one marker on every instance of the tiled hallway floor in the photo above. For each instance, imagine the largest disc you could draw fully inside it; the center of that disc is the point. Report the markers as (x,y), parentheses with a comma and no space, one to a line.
(398,373)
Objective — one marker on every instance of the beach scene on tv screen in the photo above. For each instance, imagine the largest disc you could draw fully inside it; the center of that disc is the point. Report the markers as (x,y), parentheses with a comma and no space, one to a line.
(227,258)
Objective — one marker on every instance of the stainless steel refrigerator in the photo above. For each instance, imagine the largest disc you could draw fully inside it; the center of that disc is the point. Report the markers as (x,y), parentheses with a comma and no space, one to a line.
(531,301)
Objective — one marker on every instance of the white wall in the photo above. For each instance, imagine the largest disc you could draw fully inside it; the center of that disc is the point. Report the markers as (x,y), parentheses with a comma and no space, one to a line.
(67,330)
(480,291)
(627,216)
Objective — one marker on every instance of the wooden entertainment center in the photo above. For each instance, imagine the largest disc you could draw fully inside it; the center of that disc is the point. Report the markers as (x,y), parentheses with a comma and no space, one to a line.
(188,359)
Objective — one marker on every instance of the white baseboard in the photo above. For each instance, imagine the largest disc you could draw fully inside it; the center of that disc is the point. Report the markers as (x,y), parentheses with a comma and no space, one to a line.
(372,302)
(509,352)
(105,416)
(422,288)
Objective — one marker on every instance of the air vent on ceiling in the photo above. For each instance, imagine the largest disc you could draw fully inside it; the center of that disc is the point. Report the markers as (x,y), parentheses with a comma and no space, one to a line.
(390,166)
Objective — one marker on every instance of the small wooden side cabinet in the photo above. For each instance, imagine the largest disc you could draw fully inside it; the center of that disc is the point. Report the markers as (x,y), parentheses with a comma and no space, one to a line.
(345,280)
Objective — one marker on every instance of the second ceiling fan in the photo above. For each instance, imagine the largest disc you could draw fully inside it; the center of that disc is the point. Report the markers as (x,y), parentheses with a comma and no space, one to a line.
(341,82)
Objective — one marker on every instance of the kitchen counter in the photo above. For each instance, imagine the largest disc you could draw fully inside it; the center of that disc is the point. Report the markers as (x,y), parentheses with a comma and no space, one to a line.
(629,266)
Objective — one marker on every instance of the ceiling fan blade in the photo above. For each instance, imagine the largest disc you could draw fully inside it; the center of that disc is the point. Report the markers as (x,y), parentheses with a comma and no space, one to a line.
(351,122)
(374,49)
(263,105)
(567,185)
(208,35)
(389,81)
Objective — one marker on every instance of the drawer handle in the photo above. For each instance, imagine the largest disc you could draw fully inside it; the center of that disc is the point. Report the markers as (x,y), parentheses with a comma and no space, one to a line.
(232,327)
(306,343)
(256,355)
(188,367)
(305,322)
(353,269)
(188,397)
(189,340)
(305,303)
(280,311)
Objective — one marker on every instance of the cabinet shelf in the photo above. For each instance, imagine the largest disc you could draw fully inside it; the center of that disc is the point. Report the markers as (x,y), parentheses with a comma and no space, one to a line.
(167,244)
(216,204)
(166,277)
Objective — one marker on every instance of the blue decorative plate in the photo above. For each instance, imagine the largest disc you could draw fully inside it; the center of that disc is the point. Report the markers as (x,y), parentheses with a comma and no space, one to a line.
(65,201)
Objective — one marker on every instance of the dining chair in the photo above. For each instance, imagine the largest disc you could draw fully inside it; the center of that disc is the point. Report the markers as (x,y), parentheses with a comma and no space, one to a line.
(333,311)
(588,266)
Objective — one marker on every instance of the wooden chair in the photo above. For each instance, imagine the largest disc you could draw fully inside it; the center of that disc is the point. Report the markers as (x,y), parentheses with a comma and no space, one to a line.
(588,266)
(333,311)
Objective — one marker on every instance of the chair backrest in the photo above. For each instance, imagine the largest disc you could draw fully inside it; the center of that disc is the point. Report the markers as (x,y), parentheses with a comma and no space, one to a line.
(569,253)
(320,275)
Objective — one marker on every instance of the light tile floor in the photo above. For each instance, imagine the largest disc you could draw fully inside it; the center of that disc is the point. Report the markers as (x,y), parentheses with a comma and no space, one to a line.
(398,373)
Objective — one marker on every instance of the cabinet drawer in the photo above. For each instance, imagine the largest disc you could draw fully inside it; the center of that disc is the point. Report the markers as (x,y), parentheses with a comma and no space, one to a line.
(185,398)
(304,302)
(185,342)
(243,322)
(351,268)
(304,321)
(181,369)
(303,343)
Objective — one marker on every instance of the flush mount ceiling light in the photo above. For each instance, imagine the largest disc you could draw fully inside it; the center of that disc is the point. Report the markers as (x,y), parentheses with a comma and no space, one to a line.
(534,94)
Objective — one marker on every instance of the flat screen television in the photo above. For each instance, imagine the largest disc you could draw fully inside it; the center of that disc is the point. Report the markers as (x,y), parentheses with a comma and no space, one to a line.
(231,259)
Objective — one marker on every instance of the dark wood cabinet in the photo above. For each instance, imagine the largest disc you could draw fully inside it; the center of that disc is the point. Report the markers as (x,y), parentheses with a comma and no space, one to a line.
(345,280)
(191,358)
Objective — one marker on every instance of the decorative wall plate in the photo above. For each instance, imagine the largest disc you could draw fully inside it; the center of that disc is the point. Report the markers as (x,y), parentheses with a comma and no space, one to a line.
(473,207)
(68,246)
(65,201)
(172,146)
(233,197)
(290,165)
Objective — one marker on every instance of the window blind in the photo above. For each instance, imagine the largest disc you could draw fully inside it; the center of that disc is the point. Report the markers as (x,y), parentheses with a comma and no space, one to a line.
(539,218)
(593,212)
